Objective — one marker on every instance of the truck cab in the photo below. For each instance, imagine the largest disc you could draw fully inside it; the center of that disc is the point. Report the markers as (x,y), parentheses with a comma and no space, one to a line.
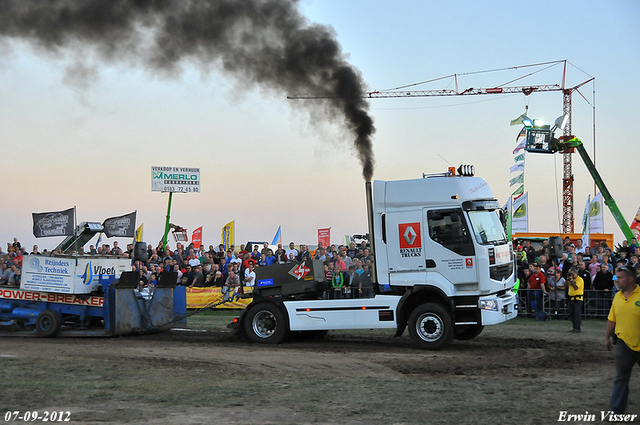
(440,239)
(443,268)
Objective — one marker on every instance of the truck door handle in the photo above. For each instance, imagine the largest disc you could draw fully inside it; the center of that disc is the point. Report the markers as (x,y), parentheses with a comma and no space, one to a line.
(430,263)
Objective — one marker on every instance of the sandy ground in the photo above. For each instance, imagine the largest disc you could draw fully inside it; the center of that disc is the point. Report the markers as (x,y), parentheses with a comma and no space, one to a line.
(521,372)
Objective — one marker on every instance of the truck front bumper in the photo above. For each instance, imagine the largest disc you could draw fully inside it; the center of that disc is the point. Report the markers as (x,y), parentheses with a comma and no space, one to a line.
(496,309)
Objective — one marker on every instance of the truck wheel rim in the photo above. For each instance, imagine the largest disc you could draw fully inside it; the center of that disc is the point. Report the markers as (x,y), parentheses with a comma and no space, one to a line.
(46,323)
(430,327)
(264,324)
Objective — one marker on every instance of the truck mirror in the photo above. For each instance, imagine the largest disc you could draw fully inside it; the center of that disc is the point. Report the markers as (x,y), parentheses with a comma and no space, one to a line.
(503,217)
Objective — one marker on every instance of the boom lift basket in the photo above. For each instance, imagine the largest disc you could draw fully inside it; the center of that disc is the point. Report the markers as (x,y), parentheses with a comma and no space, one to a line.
(180,235)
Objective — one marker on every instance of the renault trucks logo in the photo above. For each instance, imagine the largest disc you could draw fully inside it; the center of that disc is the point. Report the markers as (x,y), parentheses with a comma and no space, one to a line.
(410,239)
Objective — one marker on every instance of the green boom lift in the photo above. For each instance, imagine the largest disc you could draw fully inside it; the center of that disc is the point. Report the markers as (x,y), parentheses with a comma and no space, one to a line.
(540,140)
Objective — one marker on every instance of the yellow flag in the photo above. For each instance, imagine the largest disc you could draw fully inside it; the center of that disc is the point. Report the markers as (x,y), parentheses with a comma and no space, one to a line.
(228,234)
(137,236)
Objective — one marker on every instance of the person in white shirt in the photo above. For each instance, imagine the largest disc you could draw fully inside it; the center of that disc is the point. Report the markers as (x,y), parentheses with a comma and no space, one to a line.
(291,250)
(249,275)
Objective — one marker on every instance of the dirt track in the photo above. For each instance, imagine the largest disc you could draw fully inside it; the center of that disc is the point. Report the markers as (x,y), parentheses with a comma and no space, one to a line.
(522,372)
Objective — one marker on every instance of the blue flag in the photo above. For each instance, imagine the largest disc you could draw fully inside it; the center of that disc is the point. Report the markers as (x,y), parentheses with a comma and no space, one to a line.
(278,237)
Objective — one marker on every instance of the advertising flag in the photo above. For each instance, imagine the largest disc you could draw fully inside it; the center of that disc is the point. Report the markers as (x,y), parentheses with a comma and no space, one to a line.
(519,120)
(508,213)
(518,167)
(520,146)
(596,222)
(137,236)
(635,224)
(520,218)
(518,191)
(229,234)
(123,226)
(519,158)
(278,237)
(196,238)
(56,223)
(324,237)
(586,239)
(517,179)
(521,137)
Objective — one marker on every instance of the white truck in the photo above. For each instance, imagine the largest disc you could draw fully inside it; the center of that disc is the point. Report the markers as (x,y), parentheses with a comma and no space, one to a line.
(443,267)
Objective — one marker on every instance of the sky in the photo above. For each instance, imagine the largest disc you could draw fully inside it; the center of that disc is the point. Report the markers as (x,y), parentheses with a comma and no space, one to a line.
(266,162)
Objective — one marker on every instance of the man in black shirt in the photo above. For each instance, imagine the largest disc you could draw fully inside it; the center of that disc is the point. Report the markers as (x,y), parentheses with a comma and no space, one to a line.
(198,277)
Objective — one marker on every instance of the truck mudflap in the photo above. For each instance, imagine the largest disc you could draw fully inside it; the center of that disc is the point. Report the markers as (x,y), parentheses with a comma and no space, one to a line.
(496,309)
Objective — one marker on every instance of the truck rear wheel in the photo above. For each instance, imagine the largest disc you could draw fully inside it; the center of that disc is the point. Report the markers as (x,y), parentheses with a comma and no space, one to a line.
(468,332)
(430,326)
(265,323)
(48,323)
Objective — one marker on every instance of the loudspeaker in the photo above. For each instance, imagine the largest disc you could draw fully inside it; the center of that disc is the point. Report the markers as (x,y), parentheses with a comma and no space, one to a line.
(167,279)
(129,280)
(140,251)
(555,247)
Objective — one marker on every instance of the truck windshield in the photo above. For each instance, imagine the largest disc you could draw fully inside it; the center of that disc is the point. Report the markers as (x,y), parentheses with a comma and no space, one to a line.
(487,227)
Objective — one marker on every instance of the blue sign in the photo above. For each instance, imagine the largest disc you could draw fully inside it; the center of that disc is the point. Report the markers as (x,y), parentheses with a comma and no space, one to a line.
(265,282)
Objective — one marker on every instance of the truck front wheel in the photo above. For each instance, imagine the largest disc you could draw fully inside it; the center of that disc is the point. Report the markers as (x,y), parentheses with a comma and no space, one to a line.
(265,323)
(48,323)
(430,326)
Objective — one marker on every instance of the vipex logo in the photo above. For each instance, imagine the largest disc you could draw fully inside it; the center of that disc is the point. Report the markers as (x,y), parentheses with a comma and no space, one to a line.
(87,277)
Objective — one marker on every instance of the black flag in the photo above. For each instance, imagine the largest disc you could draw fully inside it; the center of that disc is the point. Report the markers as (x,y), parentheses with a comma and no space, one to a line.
(123,226)
(57,223)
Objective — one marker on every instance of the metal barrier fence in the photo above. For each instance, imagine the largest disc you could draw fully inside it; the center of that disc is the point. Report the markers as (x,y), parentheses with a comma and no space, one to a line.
(596,303)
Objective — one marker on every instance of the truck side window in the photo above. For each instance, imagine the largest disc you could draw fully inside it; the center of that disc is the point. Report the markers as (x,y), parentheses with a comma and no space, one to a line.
(449,229)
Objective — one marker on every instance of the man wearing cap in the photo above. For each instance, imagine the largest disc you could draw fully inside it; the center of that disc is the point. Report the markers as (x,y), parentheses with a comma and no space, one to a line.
(576,296)
(537,286)
(624,319)
(197,279)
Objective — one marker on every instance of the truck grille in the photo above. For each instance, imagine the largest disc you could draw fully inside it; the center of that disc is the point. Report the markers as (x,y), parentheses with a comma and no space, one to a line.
(501,272)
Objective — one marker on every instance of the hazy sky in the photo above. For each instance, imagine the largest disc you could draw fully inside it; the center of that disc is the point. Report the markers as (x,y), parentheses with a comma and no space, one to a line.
(265,162)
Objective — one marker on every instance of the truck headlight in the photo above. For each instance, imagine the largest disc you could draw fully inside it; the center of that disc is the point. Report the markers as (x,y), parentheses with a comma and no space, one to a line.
(489,305)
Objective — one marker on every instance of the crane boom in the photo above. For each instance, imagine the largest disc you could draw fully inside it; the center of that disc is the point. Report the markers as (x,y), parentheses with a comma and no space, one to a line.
(526,90)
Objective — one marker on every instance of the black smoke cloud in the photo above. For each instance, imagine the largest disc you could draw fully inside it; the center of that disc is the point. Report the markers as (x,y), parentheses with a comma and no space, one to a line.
(266,42)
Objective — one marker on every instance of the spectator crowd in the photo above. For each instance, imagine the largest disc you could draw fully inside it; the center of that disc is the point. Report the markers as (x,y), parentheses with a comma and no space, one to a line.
(542,275)
(347,268)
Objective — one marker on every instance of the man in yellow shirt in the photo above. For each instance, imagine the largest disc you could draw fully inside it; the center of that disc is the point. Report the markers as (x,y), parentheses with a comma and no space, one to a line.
(576,292)
(624,318)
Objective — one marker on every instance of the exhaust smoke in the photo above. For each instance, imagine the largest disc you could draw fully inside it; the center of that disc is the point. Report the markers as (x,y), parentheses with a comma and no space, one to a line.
(265,42)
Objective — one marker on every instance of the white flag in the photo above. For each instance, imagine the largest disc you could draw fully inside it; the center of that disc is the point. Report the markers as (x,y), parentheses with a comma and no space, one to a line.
(596,223)
(586,239)
(520,219)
